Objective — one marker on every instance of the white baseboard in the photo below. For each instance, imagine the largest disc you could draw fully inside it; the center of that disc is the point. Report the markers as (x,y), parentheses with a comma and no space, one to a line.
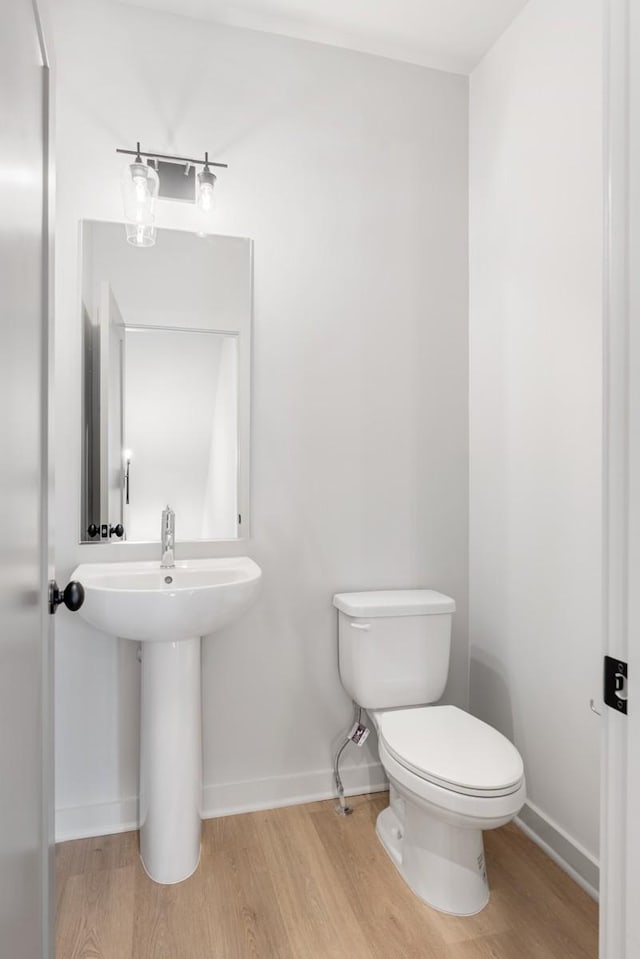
(229,798)
(224,799)
(572,857)
(97,819)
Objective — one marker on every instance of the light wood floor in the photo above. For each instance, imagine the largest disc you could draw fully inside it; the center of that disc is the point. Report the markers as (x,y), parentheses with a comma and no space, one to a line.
(304,883)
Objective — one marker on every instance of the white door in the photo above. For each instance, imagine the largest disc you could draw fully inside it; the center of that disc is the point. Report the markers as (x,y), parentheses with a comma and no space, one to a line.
(620,838)
(632,870)
(25,641)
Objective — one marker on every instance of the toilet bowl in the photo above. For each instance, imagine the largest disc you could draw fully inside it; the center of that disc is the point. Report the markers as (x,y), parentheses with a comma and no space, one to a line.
(451,775)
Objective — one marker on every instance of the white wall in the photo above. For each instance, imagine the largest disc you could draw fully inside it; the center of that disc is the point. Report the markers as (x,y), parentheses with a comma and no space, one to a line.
(170,411)
(350,173)
(209,290)
(535,400)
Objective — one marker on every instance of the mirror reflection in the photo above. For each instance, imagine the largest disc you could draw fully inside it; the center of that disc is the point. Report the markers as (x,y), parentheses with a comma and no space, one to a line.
(166,346)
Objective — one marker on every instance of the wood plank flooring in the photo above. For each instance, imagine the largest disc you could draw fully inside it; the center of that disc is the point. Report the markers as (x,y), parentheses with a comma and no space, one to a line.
(304,883)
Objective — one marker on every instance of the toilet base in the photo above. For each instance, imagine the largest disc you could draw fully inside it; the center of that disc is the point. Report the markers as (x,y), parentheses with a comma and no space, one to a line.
(442,864)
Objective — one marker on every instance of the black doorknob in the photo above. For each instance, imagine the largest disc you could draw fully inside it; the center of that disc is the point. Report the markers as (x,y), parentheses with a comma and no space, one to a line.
(72,596)
(118,530)
(93,530)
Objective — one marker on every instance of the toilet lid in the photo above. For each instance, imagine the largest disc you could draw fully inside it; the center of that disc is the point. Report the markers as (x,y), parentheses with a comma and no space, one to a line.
(451,748)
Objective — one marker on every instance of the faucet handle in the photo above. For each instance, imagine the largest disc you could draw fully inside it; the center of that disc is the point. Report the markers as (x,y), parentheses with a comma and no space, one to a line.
(167,537)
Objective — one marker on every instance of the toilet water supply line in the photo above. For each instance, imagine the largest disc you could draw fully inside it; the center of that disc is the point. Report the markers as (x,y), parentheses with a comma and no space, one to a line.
(357,734)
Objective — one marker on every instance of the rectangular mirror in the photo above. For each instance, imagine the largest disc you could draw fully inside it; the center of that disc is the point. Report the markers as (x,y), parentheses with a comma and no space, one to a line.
(166,385)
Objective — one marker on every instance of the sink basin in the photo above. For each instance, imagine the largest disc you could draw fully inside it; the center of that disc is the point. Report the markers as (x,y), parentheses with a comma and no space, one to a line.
(143,602)
(168,611)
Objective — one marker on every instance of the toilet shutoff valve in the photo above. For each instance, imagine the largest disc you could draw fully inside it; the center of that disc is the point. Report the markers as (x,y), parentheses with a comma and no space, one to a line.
(358,734)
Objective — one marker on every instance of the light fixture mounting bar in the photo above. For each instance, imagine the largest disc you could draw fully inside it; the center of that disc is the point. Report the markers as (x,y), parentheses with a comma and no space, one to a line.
(170,158)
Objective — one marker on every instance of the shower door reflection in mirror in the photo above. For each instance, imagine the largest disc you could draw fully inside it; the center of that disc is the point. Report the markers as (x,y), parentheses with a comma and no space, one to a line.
(166,380)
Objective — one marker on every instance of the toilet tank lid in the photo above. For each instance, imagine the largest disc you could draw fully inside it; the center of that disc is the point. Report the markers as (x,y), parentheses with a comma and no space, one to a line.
(394,602)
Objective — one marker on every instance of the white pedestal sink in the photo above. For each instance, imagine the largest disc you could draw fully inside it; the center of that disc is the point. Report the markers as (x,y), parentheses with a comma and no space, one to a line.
(168,611)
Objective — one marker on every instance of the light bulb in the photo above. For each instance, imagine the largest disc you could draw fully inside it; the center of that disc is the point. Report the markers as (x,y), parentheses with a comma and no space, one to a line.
(142,189)
(206,196)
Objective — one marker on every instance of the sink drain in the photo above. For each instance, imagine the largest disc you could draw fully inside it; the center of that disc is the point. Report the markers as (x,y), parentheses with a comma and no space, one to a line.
(168,579)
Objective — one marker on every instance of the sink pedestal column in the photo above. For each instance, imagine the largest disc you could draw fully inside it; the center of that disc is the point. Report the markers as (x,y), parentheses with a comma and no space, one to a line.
(170,760)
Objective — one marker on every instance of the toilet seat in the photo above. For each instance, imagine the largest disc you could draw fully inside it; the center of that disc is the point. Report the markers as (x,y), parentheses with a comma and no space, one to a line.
(460,809)
(451,749)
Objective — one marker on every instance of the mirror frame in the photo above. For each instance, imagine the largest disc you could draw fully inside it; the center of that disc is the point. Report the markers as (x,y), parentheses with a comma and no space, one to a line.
(245,370)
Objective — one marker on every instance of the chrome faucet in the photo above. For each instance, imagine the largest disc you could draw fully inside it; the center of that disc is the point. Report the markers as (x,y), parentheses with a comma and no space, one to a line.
(168,538)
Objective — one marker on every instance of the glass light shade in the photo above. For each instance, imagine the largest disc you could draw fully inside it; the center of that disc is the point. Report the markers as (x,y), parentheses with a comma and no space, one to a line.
(206,183)
(141,234)
(140,184)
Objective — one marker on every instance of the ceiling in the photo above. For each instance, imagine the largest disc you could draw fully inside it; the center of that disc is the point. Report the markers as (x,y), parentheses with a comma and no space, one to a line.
(446,34)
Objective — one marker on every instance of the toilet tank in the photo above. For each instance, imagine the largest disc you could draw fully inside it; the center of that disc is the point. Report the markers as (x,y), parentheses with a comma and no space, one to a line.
(394,646)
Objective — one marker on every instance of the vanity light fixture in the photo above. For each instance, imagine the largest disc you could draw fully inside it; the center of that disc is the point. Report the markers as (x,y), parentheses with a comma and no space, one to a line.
(153,175)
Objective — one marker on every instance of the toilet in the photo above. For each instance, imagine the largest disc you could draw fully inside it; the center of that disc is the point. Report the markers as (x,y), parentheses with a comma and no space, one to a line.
(451,775)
